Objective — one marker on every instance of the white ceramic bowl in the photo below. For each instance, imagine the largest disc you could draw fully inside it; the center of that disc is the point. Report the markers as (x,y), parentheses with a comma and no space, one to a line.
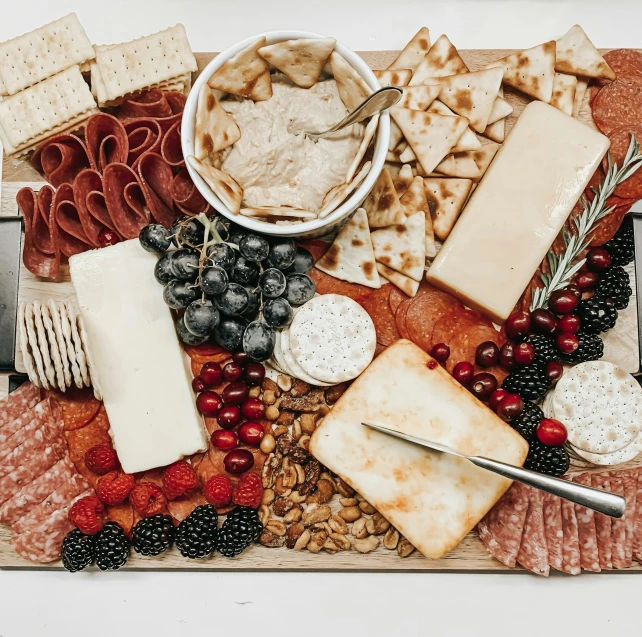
(307,229)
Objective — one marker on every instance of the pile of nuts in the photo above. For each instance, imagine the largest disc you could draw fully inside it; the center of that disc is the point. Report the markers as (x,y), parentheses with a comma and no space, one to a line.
(305,506)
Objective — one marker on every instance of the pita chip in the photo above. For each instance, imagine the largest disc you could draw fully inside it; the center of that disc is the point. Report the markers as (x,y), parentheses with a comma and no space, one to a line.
(431,136)
(407,155)
(352,88)
(496,132)
(301,60)
(564,92)
(414,201)
(532,71)
(368,136)
(407,285)
(392,157)
(576,55)
(215,128)
(222,185)
(419,98)
(440,61)
(414,51)
(340,193)
(351,258)
(246,74)
(446,198)
(501,109)
(277,214)
(403,179)
(460,165)
(580,92)
(393,77)
(382,204)
(484,156)
(395,135)
(468,139)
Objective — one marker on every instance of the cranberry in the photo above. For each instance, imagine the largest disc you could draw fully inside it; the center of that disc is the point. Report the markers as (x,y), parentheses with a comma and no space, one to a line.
(107,237)
(225,440)
(587,280)
(440,352)
(517,324)
(253,408)
(598,259)
(251,433)
(208,403)
(198,385)
(510,408)
(544,322)
(212,374)
(432,364)
(551,432)
(235,393)
(487,354)
(554,371)
(254,374)
(232,372)
(228,416)
(238,461)
(562,301)
(524,353)
(241,358)
(463,372)
(496,397)
(569,323)
(483,385)
(507,355)
(567,343)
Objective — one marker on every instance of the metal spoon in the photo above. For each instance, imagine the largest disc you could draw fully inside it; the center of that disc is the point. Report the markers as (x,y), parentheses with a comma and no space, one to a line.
(377,102)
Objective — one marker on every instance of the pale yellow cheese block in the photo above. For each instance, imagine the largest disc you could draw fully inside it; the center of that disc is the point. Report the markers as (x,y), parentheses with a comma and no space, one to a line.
(433,499)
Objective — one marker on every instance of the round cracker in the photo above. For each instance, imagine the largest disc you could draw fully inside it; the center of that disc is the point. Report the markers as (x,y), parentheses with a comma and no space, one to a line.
(43,344)
(71,351)
(33,344)
(547,404)
(296,370)
(332,338)
(54,313)
(277,354)
(54,350)
(93,375)
(75,337)
(625,454)
(27,358)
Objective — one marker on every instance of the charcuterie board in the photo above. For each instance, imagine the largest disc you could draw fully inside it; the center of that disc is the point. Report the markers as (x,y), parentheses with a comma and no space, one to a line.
(621,347)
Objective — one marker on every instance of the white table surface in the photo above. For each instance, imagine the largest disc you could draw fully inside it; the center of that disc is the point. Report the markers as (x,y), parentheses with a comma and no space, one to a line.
(346,604)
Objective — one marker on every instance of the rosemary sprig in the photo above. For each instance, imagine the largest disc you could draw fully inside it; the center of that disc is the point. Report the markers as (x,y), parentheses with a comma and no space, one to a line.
(564,265)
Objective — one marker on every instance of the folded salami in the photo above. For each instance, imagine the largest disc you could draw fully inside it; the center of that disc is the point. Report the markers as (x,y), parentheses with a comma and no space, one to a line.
(124,200)
(61,158)
(106,141)
(72,233)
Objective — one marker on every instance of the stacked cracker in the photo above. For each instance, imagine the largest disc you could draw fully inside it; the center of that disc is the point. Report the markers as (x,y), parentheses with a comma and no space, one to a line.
(42,84)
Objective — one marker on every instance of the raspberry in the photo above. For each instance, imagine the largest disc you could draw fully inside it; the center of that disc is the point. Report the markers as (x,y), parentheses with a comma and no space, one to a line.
(87,515)
(179,479)
(113,488)
(102,459)
(218,490)
(148,499)
(249,491)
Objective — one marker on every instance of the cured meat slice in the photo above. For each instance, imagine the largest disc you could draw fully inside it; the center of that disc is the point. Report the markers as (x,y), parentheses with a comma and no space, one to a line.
(463,346)
(570,541)
(317,248)
(180,509)
(17,402)
(106,141)
(502,528)
(78,407)
(152,103)
(60,158)
(22,429)
(637,521)
(618,105)
(533,552)
(377,306)
(122,514)
(176,103)
(207,352)
(631,188)
(155,177)
(144,135)
(124,200)
(603,524)
(618,527)
(401,316)
(624,62)
(552,509)
(609,225)
(80,441)
(171,150)
(586,531)
(629,483)
(396,297)
(186,195)
(450,325)
(72,235)
(90,200)
(42,231)
(327,284)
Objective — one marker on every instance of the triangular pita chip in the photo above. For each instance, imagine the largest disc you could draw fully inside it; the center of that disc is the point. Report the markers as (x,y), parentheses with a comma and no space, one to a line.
(576,55)
(484,156)
(340,193)
(301,60)
(275,214)
(564,92)
(353,89)
(382,204)
(414,201)
(222,185)
(246,74)
(448,199)
(430,136)
(407,155)
(496,131)
(350,258)
(580,92)
(403,180)
(468,140)
(413,52)
(407,285)
(368,136)
(532,71)
(393,157)
(402,247)
(419,98)
(501,109)
(393,77)
(215,128)
(459,165)
(395,135)
(472,95)
(441,60)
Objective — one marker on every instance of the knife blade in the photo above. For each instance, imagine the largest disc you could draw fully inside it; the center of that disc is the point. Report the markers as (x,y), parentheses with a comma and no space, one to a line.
(636,213)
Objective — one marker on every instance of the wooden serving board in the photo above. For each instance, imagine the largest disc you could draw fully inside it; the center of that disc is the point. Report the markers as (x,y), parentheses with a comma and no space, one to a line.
(621,347)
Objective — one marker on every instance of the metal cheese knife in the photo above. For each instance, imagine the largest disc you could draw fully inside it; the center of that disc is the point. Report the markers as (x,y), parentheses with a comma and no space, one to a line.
(636,213)
(602,501)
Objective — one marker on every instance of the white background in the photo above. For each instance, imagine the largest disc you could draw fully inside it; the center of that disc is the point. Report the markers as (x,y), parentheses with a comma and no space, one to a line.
(335,604)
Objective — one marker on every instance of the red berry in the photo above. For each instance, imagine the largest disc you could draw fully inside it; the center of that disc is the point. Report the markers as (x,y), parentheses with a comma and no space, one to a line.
(551,432)
(249,491)
(569,323)
(496,397)
(463,372)
(241,358)
(113,488)
(524,354)
(102,459)
(179,479)
(510,408)
(107,237)
(587,280)
(218,490)
(228,416)
(575,289)
(235,393)
(224,439)
(598,259)
(232,372)
(563,301)
(87,514)
(208,403)
(211,374)
(483,385)
(253,408)
(148,499)
(507,355)
(440,352)
(487,354)
(517,324)
(543,321)
(554,371)
(567,343)
(238,461)
(251,433)
(198,385)
(254,374)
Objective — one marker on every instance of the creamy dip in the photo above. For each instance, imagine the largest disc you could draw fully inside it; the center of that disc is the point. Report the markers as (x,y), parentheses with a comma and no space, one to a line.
(274,162)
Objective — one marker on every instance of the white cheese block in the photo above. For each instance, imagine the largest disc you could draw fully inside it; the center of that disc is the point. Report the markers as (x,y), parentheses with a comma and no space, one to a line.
(433,499)
(140,364)
(518,209)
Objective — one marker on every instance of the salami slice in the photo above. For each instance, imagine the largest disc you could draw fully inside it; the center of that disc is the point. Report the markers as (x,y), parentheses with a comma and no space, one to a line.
(587,532)
(106,141)
(122,514)
(144,135)
(155,177)
(637,521)
(629,483)
(452,324)
(80,441)
(78,407)
(400,318)
(553,530)
(23,429)
(327,284)
(125,200)
(186,196)
(180,509)
(625,62)
(60,158)
(316,247)
(533,552)
(43,237)
(618,105)
(396,297)
(377,306)
(603,524)
(620,141)
(152,103)
(618,527)
(608,226)
(71,227)
(90,199)
(171,150)
(17,402)
(207,352)
(176,103)
(570,541)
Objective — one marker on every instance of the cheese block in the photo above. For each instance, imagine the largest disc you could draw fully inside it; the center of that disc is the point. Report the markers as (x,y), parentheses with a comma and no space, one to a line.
(433,499)
(141,367)
(518,209)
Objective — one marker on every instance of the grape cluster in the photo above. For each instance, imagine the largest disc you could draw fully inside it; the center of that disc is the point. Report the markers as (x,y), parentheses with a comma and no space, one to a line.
(237,287)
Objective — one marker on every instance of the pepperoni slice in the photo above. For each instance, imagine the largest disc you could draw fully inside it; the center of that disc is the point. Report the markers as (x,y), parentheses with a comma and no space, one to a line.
(122,514)
(144,135)
(378,307)
(90,199)
(620,141)
(206,350)
(152,103)
(316,247)
(396,297)
(186,196)
(42,236)
(60,158)
(72,236)
(327,284)
(106,141)
(400,318)
(155,176)
(463,346)
(78,407)
(452,324)
(618,105)
(82,440)
(609,225)
(124,200)
(171,150)
(625,62)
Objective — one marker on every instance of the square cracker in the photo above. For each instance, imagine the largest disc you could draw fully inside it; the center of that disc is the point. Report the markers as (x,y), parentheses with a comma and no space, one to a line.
(72,313)
(54,349)
(54,317)
(43,344)
(71,350)
(25,349)
(32,340)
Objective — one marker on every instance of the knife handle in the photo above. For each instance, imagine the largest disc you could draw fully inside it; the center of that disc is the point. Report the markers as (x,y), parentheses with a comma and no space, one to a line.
(601,501)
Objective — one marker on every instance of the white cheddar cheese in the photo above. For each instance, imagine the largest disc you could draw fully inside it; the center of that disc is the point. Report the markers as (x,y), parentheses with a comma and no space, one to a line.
(433,499)
(518,209)
(141,366)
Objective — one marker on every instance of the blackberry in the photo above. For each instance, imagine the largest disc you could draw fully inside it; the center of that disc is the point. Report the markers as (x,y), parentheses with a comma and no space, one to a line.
(153,535)
(77,551)
(112,547)
(553,461)
(545,349)
(527,422)
(196,534)
(241,527)
(615,284)
(621,246)
(597,314)
(529,381)
(590,348)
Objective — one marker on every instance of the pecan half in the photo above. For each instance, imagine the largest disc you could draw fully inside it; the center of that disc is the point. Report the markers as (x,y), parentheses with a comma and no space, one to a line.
(281,506)
(312,473)
(300,388)
(294,532)
(312,401)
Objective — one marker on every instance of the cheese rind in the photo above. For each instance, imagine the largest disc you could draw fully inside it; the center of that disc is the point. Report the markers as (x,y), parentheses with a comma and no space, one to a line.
(141,366)
(518,209)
